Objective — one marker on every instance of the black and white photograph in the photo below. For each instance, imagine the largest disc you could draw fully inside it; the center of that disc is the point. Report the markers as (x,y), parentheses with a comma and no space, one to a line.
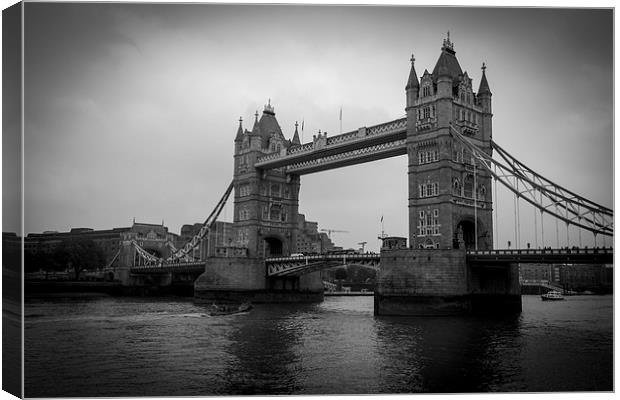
(234,199)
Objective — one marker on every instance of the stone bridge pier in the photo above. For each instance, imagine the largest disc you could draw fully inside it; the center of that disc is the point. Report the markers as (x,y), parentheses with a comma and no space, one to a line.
(239,279)
(441,282)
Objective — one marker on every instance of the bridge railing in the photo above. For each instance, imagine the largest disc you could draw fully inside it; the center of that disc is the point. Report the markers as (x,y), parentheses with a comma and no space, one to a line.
(321,257)
(578,251)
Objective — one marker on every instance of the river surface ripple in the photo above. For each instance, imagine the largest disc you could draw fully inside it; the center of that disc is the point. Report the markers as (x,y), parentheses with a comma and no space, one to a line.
(106,346)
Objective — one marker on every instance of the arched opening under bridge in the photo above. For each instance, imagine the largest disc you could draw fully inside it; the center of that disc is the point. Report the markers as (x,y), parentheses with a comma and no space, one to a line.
(273,247)
(467,230)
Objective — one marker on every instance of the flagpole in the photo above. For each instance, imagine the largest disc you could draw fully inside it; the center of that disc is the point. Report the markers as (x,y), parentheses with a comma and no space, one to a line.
(341,119)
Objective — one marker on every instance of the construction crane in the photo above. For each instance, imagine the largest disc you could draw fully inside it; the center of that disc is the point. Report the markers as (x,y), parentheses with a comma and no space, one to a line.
(329,232)
(362,244)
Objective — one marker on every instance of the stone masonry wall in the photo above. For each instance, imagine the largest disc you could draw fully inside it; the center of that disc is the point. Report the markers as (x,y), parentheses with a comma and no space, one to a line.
(421,272)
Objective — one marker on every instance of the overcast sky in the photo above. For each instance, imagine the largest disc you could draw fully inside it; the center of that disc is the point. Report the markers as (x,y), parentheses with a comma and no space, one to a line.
(131,110)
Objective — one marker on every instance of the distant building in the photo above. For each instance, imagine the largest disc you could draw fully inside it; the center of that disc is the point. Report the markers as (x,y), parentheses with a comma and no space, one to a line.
(586,277)
(539,272)
(310,240)
(220,236)
(223,236)
(157,240)
(152,237)
(580,277)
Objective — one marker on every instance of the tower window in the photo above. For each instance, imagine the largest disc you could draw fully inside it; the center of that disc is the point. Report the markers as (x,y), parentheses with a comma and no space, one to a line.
(468,186)
(244,190)
(428,189)
(456,188)
(274,213)
(428,223)
(425,157)
(427,112)
(275,190)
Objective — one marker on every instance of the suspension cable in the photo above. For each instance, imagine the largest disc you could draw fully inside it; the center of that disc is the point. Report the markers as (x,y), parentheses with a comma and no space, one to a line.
(557,233)
(557,201)
(518,219)
(495,204)
(535,229)
(515,223)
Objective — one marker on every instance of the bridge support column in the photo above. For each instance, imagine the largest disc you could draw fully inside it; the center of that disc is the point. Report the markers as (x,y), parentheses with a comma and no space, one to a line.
(495,289)
(239,279)
(439,282)
(422,282)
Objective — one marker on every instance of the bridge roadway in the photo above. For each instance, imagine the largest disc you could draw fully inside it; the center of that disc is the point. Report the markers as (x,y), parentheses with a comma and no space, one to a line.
(191,266)
(283,266)
(299,265)
(541,256)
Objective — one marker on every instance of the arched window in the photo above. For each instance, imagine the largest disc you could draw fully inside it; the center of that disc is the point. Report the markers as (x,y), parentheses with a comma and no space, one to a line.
(274,213)
(482,191)
(468,186)
(456,187)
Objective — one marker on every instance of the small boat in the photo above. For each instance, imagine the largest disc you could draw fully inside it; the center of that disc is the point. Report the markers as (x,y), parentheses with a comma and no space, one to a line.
(227,309)
(553,295)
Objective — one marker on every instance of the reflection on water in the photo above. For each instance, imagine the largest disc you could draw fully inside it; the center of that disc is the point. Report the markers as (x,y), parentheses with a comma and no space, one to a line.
(135,346)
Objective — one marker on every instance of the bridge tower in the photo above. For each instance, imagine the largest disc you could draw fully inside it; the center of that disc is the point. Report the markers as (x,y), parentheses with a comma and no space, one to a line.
(266,201)
(450,203)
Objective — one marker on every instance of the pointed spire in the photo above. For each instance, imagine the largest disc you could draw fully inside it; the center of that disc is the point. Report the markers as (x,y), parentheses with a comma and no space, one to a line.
(484,85)
(296,140)
(412,82)
(239,130)
(255,128)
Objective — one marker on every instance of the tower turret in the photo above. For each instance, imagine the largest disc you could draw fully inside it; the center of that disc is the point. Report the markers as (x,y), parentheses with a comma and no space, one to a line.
(413,86)
(239,136)
(484,93)
(256,128)
(296,141)
(484,100)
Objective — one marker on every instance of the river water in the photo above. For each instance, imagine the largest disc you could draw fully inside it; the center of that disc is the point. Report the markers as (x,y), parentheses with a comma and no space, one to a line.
(107,346)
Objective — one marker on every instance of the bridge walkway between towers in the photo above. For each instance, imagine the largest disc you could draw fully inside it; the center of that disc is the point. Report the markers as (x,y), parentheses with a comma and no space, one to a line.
(365,144)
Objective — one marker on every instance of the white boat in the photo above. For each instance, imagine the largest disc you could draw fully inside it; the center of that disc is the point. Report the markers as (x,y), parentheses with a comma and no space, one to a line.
(552,296)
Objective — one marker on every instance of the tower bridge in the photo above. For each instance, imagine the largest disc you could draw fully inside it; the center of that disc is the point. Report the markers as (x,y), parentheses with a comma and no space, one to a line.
(446,264)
